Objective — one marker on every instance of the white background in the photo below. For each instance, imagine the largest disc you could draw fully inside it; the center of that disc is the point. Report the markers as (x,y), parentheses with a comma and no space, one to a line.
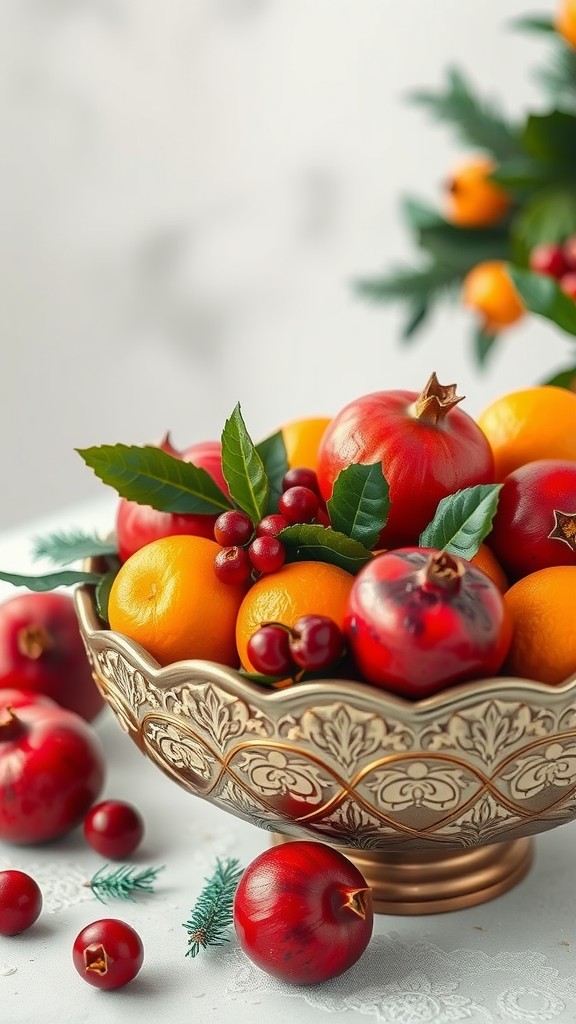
(188,190)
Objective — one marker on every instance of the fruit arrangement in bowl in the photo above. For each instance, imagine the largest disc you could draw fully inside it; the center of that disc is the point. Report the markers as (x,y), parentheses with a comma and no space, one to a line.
(357,630)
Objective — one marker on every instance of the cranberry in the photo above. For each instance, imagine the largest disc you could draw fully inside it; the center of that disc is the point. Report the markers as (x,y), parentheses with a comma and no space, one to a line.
(316,642)
(569,251)
(232,565)
(568,284)
(267,554)
(20,902)
(299,504)
(233,528)
(113,828)
(269,650)
(108,953)
(301,477)
(549,258)
(303,912)
(272,525)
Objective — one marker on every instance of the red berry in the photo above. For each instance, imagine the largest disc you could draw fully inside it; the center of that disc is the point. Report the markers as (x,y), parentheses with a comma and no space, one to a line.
(568,284)
(267,554)
(299,504)
(549,258)
(108,953)
(269,651)
(20,902)
(301,477)
(232,565)
(272,525)
(316,642)
(303,912)
(113,828)
(233,528)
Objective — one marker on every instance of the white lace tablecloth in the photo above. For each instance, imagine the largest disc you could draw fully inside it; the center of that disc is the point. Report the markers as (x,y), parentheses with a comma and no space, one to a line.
(513,959)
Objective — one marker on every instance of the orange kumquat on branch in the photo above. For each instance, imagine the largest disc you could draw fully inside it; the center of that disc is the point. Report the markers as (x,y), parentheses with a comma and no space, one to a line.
(500,240)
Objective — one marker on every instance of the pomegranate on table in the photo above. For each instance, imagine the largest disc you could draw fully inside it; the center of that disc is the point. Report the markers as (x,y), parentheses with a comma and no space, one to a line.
(419,620)
(303,912)
(137,525)
(41,650)
(51,771)
(428,448)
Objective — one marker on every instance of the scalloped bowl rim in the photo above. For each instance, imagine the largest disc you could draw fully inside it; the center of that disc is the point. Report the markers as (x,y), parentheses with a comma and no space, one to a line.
(178,672)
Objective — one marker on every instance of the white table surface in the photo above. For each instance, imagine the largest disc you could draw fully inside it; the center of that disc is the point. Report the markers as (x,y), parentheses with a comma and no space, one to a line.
(512,959)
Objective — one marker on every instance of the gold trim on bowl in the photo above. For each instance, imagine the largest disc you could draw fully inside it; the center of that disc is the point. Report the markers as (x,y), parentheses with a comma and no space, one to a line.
(410,789)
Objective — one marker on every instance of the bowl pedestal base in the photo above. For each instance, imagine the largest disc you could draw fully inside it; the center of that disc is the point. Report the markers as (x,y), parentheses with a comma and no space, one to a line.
(434,882)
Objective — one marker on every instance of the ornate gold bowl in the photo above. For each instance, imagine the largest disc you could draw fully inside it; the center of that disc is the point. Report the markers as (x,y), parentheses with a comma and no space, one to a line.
(435,800)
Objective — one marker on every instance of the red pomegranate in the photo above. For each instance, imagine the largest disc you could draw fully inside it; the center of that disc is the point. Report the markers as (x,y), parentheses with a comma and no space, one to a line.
(137,525)
(535,522)
(419,620)
(427,446)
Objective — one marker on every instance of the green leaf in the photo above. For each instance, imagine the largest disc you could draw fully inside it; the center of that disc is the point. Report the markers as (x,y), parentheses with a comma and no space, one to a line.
(551,138)
(462,520)
(558,77)
(463,248)
(417,315)
(533,23)
(483,346)
(563,379)
(523,175)
(360,503)
(548,217)
(541,295)
(310,542)
(49,581)
(419,284)
(272,451)
(102,593)
(419,215)
(477,122)
(243,468)
(150,476)
(63,548)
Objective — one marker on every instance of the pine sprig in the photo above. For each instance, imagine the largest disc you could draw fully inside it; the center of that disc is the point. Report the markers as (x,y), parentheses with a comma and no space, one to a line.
(63,548)
(419,288)
(477,122)
(558,77)
(124,883)
(212,912)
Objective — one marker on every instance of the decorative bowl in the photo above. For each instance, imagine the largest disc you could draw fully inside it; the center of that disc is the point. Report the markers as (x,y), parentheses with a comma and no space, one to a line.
(435,800)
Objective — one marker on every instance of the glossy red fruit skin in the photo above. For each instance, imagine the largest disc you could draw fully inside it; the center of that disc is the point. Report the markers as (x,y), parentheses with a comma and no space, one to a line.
(108,953)
(11,698)
(51,771)
(423,462)
(415,639)
(294,912)
(568,283)
(316,642)
(549,258)
(137,525)
(20,902)
(114,829)
(41,650)
(269,651)
(524,521)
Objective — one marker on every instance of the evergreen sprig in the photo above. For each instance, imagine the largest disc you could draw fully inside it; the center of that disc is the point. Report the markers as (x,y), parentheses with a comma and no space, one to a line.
(124,883)
(477,122)
(558,77)
(212,912)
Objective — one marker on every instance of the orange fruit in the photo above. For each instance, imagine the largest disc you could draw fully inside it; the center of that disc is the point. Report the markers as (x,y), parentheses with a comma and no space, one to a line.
(473,200)
(536,423)
(486,560)
(541,606)
(488,289)
(302,440)
(167,598)
(298,588)
(565,21)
